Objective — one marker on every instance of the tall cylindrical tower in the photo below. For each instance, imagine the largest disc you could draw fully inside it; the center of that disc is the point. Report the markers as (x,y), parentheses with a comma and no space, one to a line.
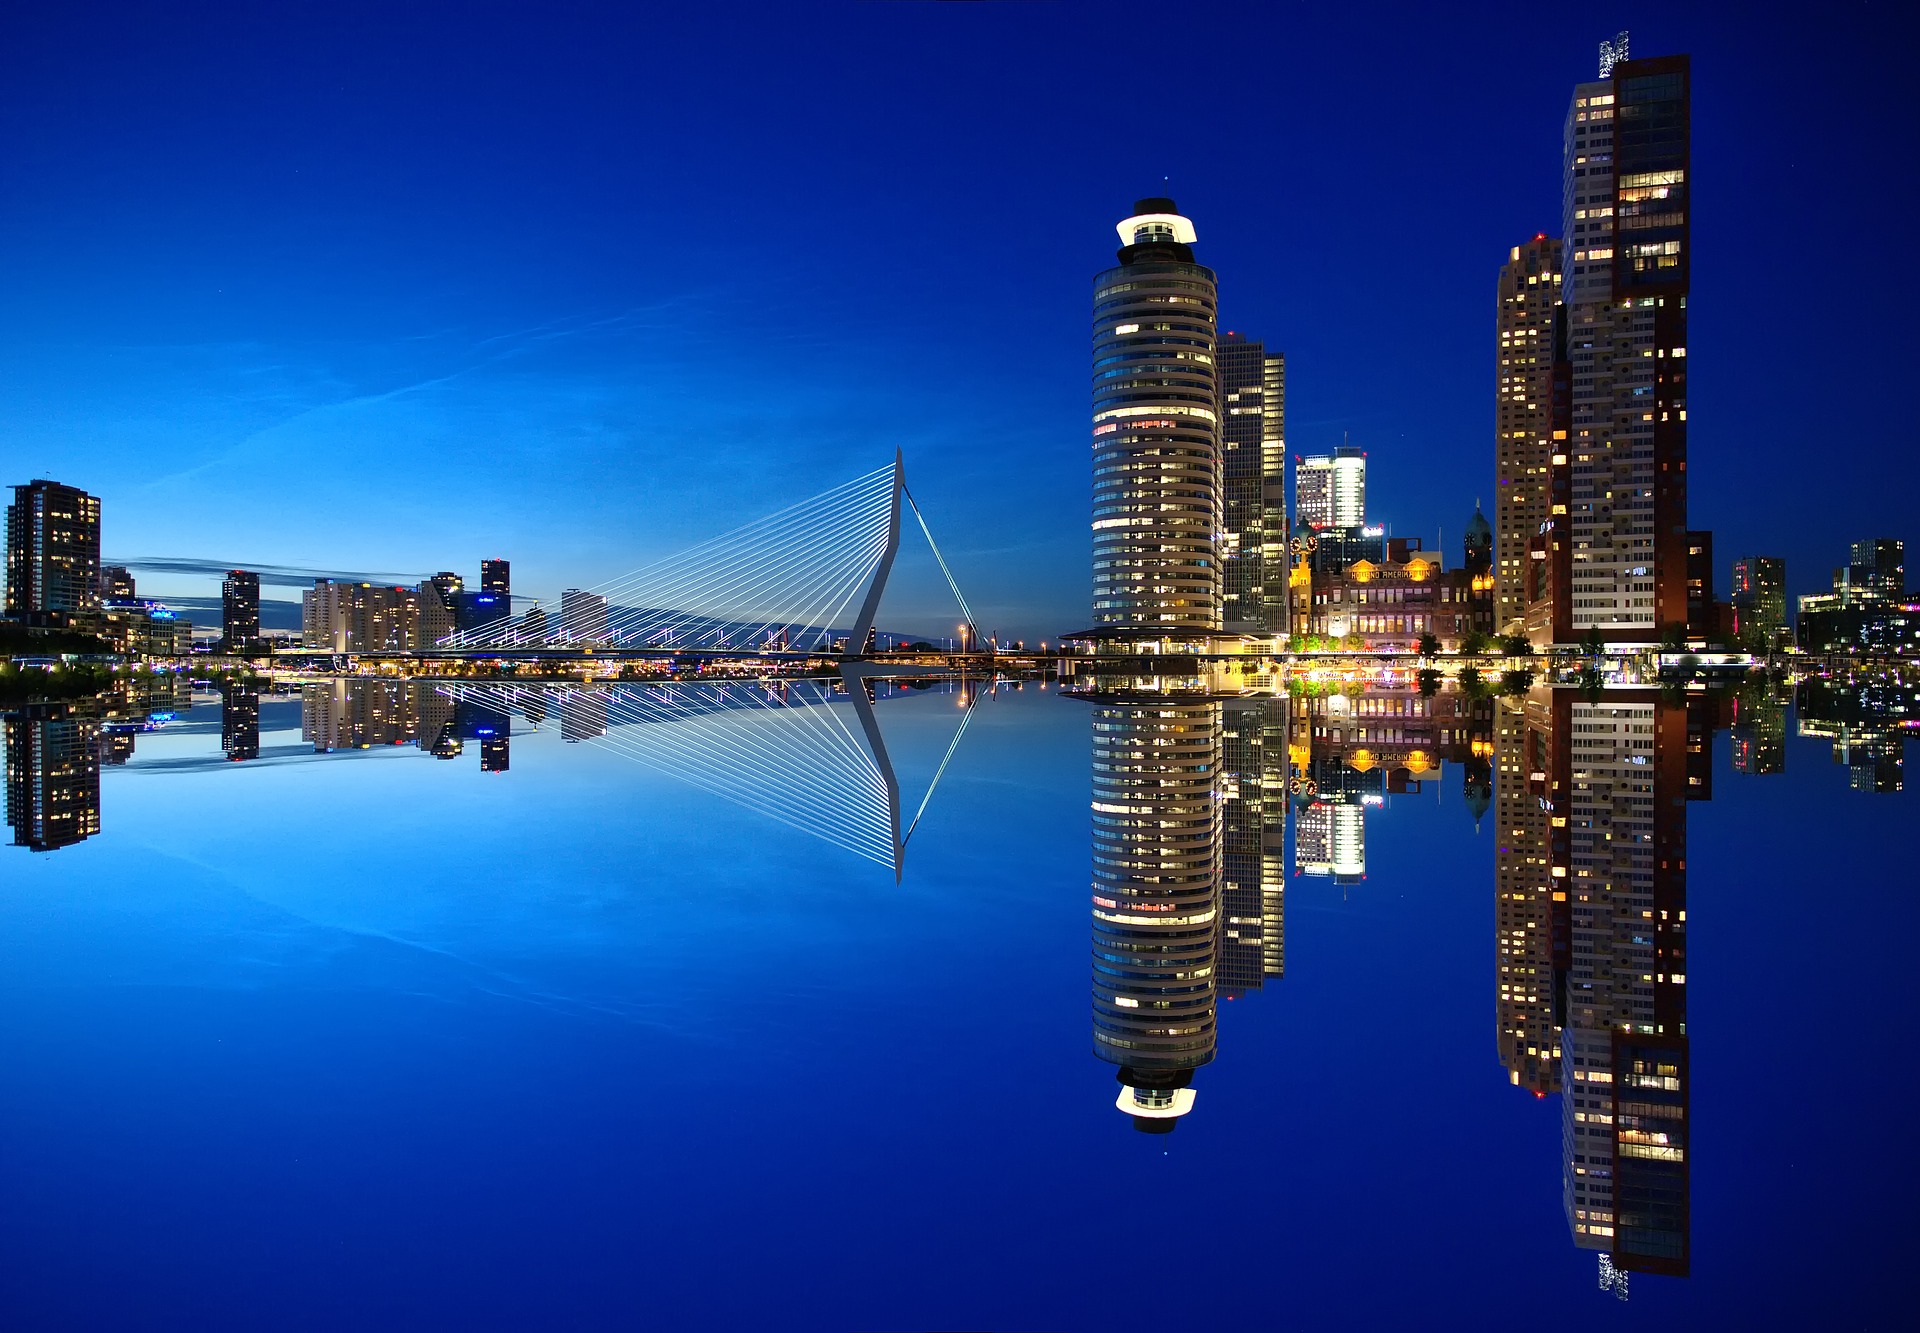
(1156,437)
(1156,895)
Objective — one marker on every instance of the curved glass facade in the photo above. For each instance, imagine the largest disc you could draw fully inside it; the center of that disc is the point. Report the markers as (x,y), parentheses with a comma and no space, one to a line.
(1156,438)
(1156,896)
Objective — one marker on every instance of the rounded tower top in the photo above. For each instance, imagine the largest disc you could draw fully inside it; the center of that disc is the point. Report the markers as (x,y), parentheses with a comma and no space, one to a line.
(1155,221)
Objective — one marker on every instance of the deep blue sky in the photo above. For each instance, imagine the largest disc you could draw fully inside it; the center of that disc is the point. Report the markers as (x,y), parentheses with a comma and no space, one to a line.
(395,288)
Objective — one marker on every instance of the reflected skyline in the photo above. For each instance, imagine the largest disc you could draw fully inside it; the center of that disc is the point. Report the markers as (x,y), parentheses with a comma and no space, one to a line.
(1589,793)
(777,746)
(1194,795)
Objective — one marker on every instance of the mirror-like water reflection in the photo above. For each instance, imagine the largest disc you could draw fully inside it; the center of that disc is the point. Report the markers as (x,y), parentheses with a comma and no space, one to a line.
(812,938)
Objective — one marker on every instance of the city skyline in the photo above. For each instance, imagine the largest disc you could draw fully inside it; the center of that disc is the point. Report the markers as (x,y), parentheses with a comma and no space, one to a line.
(190,375)
(854,633)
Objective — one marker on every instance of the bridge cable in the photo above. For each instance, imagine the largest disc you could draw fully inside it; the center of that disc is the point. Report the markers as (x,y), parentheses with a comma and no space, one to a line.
(965,609)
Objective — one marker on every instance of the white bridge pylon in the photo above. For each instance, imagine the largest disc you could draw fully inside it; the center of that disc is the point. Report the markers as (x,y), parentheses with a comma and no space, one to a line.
(783,583)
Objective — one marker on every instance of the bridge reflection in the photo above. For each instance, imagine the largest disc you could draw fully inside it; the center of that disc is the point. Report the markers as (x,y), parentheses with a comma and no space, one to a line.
(808,753)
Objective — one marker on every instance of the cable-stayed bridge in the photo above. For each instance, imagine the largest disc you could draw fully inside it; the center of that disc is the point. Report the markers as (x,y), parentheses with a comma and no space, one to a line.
(807,753)
(806,580)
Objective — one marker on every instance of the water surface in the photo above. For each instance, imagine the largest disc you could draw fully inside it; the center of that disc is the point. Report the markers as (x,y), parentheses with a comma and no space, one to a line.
(367,1038)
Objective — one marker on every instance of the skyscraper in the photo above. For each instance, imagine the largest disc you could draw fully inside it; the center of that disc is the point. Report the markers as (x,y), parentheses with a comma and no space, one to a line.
(53,554)
(53,775)
(1156,898)
(1760,728)
(240,609)
(1759,601)
(583,617)
(495,577)
(239,723)
(1531,925)
(1253,828)
(436,613)
(1253,400)
(1156,437)
(343,617)
(1626,226)
(1529,296)
(1702,614)
(1625,1131)
(1330,490)
(1878,568)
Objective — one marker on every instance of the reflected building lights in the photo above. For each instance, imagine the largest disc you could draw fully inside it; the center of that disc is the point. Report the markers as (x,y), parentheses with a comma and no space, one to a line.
(53,776)
(1590,950)
(240,723)
(1156,898)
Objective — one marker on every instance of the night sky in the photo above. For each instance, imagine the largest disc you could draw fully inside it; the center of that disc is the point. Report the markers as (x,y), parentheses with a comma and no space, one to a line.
(395,288)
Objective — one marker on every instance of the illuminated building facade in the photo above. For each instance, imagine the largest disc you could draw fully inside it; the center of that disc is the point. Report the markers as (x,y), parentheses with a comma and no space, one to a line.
(1253,834)
(1330,839)
(53,555)
(1866,720)
(1626,229)
(1302,544)
(1156,898)
(239,609)
(1759,601)
(364,714)
(53,776)
(342,617)
(1253,401)
(1156,437)
(1524,322)
(239,723)
(1625,1131)
(1532,928)
(496,576)
(1759,730)
(1868,613)
(1330,490)
(1388,604)
(1878,569)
